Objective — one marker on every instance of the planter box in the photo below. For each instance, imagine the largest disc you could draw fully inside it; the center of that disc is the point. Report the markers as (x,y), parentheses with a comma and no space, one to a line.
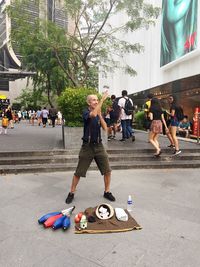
(72,137)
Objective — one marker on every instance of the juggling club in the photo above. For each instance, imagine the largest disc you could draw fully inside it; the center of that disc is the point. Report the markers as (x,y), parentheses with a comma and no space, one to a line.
(68,211)
(47,216)
(66,223)
(49,222)
(58,223)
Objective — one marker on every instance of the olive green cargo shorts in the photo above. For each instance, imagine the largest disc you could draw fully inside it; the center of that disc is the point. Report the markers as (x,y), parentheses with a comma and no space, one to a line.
(89,152)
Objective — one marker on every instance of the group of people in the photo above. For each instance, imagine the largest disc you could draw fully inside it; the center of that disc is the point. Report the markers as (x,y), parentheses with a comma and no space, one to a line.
(155,122)
(44,115)
(8,117)
(117,117)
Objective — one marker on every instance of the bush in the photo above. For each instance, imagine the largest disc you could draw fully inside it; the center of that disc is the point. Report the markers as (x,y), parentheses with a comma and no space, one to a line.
(139,120)
(72,102)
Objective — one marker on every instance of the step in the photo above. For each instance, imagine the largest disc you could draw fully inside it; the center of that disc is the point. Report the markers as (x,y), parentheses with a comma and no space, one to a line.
(58,159)
(156,164)
(75,152)
(38,153)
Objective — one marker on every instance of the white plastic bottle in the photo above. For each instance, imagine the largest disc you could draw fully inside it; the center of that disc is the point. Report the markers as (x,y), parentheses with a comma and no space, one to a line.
(129,204)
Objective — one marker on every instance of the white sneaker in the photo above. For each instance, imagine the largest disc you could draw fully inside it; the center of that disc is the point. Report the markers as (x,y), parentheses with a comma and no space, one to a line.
(177,152)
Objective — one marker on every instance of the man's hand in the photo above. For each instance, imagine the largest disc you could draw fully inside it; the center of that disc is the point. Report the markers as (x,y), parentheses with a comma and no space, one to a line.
(99,113)
(105,95)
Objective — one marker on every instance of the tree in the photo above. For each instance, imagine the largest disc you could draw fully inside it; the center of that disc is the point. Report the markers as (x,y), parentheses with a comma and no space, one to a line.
(32,42)
(94,40)
(91,42)
(31,99)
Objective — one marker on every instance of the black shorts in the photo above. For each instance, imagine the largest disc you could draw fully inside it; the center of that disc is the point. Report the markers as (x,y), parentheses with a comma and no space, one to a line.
(108,122)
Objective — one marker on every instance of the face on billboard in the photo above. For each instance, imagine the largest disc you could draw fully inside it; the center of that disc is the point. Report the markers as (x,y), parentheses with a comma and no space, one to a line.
(179,29)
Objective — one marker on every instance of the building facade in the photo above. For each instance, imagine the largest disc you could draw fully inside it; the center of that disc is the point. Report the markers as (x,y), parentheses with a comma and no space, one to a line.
(171,58)
(12,76)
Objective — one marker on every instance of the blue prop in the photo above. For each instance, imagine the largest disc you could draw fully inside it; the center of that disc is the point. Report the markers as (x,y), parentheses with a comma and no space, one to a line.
(58,223)
(47,216)
(66,223)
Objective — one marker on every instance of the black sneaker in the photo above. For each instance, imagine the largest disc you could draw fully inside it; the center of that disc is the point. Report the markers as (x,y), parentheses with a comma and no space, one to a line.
(109,196)
(133,138)
(122,140)
(69,198)
(171,146)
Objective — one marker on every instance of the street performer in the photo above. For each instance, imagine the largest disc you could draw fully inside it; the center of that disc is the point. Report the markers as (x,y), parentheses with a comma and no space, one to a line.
(92,147)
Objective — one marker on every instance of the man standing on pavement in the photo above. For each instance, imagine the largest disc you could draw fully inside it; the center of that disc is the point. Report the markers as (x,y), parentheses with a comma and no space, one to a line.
(92,147)
(125,119)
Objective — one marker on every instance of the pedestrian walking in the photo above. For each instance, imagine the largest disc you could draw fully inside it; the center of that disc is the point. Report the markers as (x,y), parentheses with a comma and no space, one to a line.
(125,117)
(44,115)
(9,115)
(53,115)
(4,124)
(38,116)
(59,119)
(147,121)
(114,116)
(174,122)
(156,118)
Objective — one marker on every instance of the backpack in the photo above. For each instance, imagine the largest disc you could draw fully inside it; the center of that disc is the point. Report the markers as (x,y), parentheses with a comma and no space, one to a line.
(128,107)
(5,122)
(179,113)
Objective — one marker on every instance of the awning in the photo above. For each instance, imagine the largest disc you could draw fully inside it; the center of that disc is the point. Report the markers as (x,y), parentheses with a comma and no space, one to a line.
(14,75)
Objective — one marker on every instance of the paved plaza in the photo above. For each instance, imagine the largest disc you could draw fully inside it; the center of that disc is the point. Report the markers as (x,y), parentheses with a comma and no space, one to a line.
(166,205)
(25,137)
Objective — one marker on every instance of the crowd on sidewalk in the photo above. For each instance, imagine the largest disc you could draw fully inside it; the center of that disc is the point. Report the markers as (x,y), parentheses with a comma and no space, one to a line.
(9,117)
(172,121)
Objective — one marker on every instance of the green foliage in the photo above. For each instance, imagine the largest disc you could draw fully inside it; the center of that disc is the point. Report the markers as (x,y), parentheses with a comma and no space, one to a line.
(33,42)
(72,58)
(72,102)
(139,119)
(31,99)
(16,106)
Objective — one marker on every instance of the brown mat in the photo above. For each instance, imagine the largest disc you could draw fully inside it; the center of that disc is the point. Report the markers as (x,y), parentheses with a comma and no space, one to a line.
(107,226)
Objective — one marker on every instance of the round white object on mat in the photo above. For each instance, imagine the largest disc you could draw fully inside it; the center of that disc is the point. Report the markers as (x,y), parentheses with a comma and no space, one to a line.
(101,214)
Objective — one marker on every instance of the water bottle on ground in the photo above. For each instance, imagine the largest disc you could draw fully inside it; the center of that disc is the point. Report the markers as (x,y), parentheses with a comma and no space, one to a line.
(129,204)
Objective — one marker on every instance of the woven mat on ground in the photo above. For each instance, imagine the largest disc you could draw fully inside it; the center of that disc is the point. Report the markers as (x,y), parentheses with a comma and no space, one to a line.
(107,226)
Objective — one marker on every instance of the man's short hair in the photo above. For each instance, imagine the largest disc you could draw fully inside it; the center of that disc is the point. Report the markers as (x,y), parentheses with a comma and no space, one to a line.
(89,98)
(124,93)
(150,95)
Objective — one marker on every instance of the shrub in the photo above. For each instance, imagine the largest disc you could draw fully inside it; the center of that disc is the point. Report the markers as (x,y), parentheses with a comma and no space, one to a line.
(72,102)
(139,119)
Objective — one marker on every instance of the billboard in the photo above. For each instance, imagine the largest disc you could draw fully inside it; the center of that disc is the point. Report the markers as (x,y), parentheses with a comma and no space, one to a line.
(178,29)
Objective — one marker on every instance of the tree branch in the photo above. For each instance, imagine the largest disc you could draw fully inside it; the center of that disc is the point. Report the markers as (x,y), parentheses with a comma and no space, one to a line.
(100,28)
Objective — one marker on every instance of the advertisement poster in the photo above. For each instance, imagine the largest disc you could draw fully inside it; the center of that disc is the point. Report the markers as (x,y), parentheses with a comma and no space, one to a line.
(178,29)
